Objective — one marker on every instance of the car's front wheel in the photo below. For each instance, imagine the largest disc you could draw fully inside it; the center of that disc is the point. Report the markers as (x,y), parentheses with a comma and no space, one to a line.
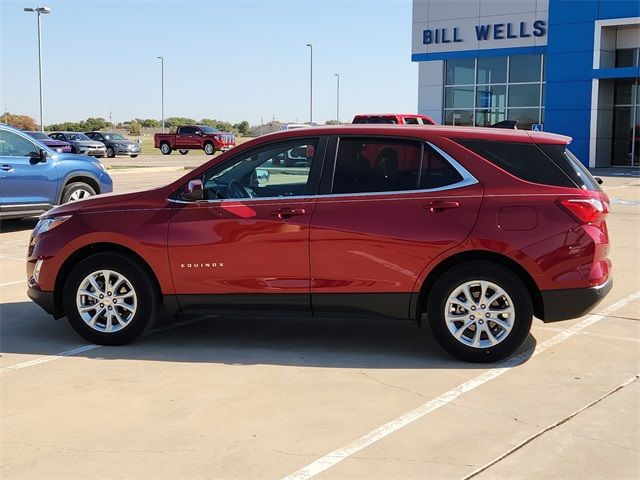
(110,299)
(111,153)
(77,191)
(480,311)
(183,152)
(165,148)
(209,149)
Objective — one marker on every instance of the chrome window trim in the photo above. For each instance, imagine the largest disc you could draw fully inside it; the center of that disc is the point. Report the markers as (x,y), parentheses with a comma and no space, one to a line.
(467,180)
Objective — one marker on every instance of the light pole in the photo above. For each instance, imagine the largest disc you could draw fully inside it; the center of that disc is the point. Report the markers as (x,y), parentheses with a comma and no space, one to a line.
(337,75)
(311,86)
(39,11)
(162,90)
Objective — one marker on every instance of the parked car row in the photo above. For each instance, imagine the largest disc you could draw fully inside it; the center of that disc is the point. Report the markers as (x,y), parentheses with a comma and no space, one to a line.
(36,174)
(95,144)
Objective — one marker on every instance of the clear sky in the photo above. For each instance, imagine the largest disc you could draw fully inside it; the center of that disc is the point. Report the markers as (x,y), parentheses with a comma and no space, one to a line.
(231,60)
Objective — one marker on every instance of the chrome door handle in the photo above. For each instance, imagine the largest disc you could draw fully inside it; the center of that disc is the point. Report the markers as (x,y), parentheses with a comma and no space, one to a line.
(283,213)
(440,206)
(6,168)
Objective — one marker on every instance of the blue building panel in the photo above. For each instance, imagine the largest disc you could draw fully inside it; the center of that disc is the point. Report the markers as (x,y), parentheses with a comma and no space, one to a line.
(568,96)
(571,11)
(615,9)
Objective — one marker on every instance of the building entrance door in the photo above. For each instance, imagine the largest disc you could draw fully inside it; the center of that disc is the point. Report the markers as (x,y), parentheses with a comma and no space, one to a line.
(626,123)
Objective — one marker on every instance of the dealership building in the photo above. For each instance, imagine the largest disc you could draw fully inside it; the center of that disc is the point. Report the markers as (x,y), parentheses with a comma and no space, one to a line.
(564,66)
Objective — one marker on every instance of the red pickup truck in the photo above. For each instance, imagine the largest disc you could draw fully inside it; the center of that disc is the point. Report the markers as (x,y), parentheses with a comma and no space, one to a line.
(397,118)
(194,137)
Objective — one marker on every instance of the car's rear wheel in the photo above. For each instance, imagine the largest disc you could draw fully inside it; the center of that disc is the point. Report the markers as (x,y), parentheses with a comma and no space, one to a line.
(77,191)
(110,299)
(165,148)
(209,149)
(480,311)
(133,156)
(111,153)
(183,152)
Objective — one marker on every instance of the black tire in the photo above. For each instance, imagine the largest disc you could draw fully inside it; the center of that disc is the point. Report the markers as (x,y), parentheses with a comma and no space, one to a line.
(111,153)
(183,152)
(133,156)
(165,148)
(497,275)
(209,149)
(146,294)
(74,188)
(99,156)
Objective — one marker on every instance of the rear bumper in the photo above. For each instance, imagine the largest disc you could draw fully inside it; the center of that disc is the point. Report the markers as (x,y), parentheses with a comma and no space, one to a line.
(572,302)
(45,300)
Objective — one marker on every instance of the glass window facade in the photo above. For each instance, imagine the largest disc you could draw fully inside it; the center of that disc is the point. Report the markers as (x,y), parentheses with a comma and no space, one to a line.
(487,90)
(626,123)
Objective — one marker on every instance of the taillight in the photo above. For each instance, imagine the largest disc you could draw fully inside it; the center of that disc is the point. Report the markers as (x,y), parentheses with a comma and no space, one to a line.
(585,210)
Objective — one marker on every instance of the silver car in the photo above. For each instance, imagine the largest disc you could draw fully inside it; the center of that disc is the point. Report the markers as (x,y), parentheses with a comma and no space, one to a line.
(81,144)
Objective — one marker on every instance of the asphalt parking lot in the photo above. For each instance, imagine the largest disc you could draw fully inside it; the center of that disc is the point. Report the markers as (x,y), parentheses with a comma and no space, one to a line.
(216,397)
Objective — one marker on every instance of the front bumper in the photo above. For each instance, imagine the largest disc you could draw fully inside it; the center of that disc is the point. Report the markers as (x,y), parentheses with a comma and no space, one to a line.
(45,300)
(572,302)
(127,151)
(93,152)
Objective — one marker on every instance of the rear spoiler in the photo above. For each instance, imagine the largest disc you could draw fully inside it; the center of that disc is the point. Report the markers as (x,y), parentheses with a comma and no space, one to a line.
(510,124)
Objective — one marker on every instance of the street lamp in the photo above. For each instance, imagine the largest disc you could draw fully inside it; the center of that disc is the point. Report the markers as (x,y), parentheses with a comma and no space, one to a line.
(337,75)
(162,89)
(39,11)
(311,86)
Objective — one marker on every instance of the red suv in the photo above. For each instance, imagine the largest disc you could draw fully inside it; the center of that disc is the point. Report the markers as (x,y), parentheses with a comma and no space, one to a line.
(473,230)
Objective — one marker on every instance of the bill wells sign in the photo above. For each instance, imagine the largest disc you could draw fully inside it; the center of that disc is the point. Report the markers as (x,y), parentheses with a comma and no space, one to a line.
(487,31)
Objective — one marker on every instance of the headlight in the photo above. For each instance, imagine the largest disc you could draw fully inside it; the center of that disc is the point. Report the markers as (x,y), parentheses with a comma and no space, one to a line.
(101,166)
(46,224)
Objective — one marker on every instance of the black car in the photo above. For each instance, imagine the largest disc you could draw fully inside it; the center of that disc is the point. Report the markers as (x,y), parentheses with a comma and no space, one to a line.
(116,144)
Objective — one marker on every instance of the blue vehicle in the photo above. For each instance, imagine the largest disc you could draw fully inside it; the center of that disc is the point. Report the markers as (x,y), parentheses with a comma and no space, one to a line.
(35,178)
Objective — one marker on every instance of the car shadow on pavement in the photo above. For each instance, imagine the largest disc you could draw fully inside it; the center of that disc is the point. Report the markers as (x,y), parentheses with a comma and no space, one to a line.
(311,342)
(18,225)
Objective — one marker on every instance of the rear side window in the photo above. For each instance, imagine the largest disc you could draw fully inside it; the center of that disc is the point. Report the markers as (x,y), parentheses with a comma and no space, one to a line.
(523,160)
(373,165)
(571,166)
(410,121)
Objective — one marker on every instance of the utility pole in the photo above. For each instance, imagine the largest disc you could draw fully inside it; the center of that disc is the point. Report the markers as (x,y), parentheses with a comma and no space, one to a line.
(162,89)
(337,75)
(311,86)
(40,11)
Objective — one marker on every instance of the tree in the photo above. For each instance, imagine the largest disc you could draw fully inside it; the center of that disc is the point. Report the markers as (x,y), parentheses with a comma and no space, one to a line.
(21,122)
(149,122)
(178,121)
(242,127)
(92,123)
(134,128)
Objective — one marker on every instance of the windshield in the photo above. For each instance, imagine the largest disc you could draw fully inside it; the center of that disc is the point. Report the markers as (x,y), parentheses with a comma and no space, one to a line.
(113,136)
(374,119)
(209,130)
(78,137)
(38,135)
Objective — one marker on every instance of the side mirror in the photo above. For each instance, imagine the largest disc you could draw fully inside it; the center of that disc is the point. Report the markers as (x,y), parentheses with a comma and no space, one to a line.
(39,156)
(262,176)
(194,190)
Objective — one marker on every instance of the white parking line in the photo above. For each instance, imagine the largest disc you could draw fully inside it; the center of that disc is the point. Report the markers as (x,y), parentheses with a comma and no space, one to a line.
(596,335)
(93,346)
(388,428)
(13,283)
